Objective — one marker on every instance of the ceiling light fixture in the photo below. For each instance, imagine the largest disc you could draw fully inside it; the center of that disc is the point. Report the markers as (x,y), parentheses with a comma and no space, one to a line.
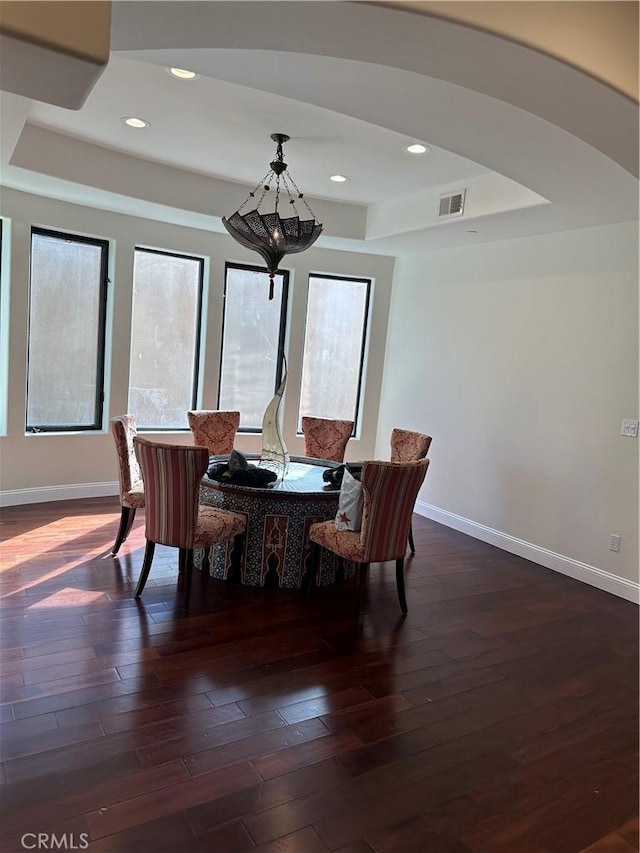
(183,74)
(417,149)
(338,179)
(136,122)
(268,234)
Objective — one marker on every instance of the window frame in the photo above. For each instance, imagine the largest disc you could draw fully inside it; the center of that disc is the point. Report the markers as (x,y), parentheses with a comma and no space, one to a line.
(282,330)
(103,295)
(363,343)
(195,383)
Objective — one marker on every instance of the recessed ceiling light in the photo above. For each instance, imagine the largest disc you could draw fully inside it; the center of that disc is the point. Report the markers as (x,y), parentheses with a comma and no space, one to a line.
(183,74)
(135,122)
(417,148)
(338,179)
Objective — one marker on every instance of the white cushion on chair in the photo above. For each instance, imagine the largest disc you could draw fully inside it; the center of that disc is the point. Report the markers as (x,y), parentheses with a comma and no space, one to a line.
(349,515)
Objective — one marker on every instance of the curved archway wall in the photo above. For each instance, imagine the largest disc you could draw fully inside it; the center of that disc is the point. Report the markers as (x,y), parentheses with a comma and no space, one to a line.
(542,127)
(600,38)
(477,60)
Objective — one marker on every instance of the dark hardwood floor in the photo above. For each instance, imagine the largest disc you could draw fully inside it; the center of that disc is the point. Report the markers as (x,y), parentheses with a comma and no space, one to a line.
(501,715)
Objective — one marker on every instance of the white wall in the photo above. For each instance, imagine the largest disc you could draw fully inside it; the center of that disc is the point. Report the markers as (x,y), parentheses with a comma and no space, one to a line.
(520,358)
(52,467)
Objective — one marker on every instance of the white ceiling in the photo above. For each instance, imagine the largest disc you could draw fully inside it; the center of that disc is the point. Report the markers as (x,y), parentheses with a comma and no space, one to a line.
(224,130)
(540,146)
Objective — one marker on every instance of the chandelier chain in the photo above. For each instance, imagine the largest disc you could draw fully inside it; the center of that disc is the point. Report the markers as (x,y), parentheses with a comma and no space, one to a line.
(265,190)
(287,180)
(277,193)
(301,195)
(264,183)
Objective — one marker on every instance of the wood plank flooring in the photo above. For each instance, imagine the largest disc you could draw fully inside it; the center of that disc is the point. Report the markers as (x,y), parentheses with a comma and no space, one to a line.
(500,717)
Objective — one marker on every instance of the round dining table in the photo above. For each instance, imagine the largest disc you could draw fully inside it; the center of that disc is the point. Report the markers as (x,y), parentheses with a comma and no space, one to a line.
(276,548)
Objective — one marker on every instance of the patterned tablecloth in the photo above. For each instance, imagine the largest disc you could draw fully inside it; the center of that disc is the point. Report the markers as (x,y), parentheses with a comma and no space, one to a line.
(277,546)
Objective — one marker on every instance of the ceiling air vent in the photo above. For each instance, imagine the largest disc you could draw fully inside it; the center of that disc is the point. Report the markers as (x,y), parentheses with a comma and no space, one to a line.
(451,204)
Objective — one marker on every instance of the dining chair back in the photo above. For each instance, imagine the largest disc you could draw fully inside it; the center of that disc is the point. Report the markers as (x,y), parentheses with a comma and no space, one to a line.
(389,494)
(408,446)
(123,430)
(325,438)
(215,430)
(172,476)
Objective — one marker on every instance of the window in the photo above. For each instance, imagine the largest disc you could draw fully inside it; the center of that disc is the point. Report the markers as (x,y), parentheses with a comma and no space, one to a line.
(252,342)
(165,338)
(67,316)
(334,343)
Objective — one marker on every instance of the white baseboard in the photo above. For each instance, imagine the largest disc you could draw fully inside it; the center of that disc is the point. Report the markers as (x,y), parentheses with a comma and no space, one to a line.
(549,559)
(43,494)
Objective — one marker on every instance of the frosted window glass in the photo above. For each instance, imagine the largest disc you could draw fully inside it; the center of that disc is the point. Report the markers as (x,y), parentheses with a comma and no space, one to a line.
(333,347)
(251,343)
(164,338)
(66,317)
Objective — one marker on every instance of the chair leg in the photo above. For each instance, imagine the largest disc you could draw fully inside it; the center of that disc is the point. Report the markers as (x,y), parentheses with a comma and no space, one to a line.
(186,556)
(234,576)
(182,556)
(132,515)
(126,519)
(362,577)
(412,547)
(309,578)
(400,584)
(146,566)
(205,565)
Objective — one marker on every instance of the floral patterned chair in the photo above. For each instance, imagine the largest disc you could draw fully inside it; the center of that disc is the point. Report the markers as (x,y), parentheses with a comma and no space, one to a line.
(214,430)
(172,475)
(325,438)
(123,429)
(389,490)
(408,446)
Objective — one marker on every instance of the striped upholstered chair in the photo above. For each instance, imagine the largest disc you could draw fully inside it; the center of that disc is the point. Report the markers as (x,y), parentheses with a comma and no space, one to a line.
(172,475)
(389,490)
(123,430)
(408,446)
(325,438)
(214,430)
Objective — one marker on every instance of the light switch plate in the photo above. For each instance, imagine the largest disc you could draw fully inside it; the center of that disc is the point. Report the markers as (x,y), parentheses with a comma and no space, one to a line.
(629,428)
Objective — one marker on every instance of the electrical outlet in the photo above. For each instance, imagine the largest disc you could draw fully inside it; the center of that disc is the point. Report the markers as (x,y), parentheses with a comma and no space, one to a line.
(629,428)
(614,542)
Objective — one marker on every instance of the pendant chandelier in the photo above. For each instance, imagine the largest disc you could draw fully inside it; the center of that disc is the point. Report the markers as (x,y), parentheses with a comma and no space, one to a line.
(267,233)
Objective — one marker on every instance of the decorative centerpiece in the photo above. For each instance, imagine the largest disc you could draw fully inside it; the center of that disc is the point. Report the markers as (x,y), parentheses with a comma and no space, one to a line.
(274,454)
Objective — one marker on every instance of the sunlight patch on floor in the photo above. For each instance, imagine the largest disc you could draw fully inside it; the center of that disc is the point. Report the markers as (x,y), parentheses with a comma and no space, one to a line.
(36,543)
(29,546)
(68,597)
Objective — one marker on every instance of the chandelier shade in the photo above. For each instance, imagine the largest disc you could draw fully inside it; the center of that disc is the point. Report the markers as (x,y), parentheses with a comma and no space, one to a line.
(269,234)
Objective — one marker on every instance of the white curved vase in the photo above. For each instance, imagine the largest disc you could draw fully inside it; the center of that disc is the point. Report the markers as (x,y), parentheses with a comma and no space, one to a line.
(274,454)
